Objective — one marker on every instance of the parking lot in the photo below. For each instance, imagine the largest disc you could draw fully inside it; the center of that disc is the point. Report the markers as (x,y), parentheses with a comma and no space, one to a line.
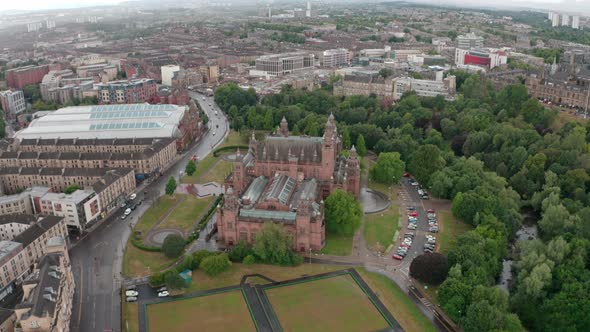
(409,198)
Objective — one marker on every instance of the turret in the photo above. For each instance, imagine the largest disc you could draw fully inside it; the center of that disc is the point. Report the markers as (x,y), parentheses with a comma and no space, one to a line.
(284,128)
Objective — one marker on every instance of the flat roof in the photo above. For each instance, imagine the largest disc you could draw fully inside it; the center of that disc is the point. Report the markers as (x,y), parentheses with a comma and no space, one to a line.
(107,121)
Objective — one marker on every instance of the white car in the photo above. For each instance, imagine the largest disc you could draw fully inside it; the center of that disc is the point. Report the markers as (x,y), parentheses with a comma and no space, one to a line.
(213,133)
(131,299)
(133,196)
(163,294)
(130,293)
(127,212)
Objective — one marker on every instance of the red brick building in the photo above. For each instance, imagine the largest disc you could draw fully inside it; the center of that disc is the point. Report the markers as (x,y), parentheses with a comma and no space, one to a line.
(18,78)
(284,180)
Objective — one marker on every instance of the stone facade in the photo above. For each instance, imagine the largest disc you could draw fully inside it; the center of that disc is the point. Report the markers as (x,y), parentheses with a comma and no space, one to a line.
(570,91)
(284,180)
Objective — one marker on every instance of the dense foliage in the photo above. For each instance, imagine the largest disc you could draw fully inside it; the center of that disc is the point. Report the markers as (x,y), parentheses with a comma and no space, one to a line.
(215,264)
(431,268)
(274,246)
(170,186)
(498,155)
(343,213)
(72,188)
(388,169)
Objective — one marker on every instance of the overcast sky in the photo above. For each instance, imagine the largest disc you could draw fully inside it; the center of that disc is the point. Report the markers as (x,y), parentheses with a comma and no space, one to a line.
(54,4)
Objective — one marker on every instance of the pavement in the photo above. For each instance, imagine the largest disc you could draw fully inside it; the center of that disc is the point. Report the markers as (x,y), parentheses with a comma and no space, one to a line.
(97,257)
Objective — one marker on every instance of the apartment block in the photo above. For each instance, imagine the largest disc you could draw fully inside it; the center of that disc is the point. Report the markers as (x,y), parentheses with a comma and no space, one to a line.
(18,78)
(285,63)
(13,103)
(34,238)
(335,57)
(469,41)
(364,85)
(48,294)
(22,202)
(127,92)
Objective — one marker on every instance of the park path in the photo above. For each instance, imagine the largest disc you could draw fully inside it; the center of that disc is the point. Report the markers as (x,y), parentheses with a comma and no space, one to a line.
(146,238)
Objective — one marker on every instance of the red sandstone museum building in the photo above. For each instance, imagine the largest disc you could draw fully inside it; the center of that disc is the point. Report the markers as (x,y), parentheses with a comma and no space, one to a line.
(285,179)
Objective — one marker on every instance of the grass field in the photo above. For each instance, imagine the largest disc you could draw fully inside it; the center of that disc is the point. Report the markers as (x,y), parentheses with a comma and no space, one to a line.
(156,212)
(139,263)
(330,304)
(380,228)
(337,245)
(225,311)
(202,281)
(398,303)
(187,213)
(218,172)
(450,230)
(130,317)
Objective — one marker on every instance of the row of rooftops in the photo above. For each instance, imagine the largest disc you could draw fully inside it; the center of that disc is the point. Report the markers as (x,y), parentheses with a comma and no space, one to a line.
(146,153)
(93,141)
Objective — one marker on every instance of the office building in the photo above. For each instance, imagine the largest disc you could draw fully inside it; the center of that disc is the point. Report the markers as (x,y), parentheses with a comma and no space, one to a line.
(127,91)
(168,73)
(425,88)
(469,41)
(13,103)
(48,293)
(487,59)
(285,63)
(99,72)
(284,180)
(335,57)
(18,78)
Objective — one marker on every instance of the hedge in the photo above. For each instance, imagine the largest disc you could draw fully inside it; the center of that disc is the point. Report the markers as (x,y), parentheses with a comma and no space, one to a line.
(137,243)
(212,209)
(216,152)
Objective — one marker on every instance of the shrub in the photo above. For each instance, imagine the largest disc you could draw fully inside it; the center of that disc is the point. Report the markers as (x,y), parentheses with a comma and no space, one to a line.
(239,251)
(199,255)
(173,245)
(214,265)
(137,243)
(173,280)
(249,260)
(229,148)
(156,279)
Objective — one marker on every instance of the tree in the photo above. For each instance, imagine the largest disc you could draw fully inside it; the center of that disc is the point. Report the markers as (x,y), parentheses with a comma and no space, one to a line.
(199,255)
(214,265)
(174,280)
(156,279)
(361,148)
(388,169)
(385,72)
(190,168)
(72,188)
(274,246)
(425,162)
(249,260)
(342,213)
(173,245)
(431,268)
(171,186)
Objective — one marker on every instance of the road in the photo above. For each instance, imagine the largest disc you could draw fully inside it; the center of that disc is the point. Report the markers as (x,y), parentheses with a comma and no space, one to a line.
(97,258)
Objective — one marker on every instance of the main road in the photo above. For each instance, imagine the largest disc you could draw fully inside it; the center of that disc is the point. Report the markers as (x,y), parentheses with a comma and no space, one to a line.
(97,258)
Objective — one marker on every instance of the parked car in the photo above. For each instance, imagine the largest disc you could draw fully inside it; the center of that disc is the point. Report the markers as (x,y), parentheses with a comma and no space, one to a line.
(131,293)
(433,229)
(131,299)
(412,226)
(161,289)
(133,207)
(127,212)
(428,245)
(407,175)
(133,196)
(398,257)
(430,211)
(124,204)
(124,216)
(413,183)
(412,208)
(413,214)
(429,251)
(131,287)
(420,192)
(410,234)
(163,294)
(405,245)
(425,197)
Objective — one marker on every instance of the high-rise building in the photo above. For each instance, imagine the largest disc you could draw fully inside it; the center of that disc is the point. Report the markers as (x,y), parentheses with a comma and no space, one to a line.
(575,22)
(13,102)
(565,20)
(36,26)
(550,16)
(555,20)
(308,11)
(168,72)
(469,41)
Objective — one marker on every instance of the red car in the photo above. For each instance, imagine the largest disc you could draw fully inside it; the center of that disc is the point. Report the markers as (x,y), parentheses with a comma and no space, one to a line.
(430,211)
(413,214)
(405,245)
(407,175)
(398,257)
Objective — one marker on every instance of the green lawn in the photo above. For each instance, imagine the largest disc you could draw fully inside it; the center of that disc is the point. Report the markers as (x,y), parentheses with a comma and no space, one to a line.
(130,317)
(201,281)
(233,139)
(397,302)
(329,304)
(380,228)
(450,229)
(156,212)
(203,166)
(139,263)
(337,245)
(187,213)
(226,311)
(218,172)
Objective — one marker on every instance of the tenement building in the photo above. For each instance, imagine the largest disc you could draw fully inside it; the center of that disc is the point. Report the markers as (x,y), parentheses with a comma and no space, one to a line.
(47,301)
(284,179)
(561,88)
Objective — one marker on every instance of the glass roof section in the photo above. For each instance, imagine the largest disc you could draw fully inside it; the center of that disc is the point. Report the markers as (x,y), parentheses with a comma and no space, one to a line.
(132,125)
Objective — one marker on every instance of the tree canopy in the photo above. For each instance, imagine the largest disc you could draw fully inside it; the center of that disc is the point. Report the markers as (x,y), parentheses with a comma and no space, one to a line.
(173,245)
(342,213)
(171,186)
(389,168)
(274,246)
